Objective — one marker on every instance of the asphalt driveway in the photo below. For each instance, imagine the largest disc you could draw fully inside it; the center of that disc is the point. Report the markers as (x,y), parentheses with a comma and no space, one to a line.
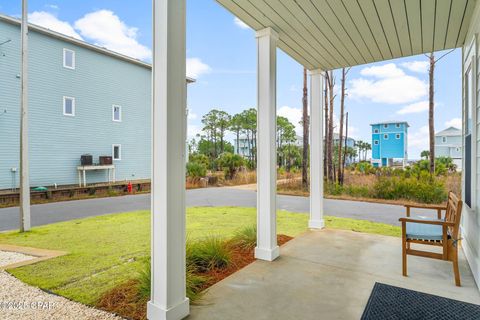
(214,197)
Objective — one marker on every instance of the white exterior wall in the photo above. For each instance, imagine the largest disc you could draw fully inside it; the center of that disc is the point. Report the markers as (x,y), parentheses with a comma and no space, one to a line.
(471,216)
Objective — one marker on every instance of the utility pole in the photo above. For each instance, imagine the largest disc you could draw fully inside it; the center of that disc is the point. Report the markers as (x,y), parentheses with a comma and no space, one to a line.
(24,172)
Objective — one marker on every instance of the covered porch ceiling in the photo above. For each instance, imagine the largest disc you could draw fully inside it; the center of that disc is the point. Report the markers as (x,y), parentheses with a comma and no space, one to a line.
(331,34)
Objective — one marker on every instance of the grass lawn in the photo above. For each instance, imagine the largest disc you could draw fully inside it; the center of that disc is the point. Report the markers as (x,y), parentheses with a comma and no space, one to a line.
(108,250)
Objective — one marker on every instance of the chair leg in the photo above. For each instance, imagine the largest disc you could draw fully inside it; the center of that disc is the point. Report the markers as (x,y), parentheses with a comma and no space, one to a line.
(404,257)
(456,271)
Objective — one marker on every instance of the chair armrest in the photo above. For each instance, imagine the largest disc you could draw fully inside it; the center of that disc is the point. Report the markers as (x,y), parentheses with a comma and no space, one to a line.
(427,206)
(434,222)
(432,207)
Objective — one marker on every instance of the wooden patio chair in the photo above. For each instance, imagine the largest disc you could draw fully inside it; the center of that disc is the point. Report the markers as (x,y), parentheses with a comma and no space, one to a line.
(442,233)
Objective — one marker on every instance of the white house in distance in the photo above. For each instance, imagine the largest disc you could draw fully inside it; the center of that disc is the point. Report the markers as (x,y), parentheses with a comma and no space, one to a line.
(448,143)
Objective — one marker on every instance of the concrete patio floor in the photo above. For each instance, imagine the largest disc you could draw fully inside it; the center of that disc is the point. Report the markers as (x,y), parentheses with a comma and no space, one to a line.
(328,274)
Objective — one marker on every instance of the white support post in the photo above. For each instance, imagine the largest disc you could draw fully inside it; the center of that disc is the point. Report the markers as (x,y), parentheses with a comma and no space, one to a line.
(316,150)
(168,296)
(267,248)
(24,163)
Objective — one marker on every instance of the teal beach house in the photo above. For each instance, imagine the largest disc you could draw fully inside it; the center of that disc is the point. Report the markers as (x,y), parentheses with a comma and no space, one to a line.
(83,100)
(389,143)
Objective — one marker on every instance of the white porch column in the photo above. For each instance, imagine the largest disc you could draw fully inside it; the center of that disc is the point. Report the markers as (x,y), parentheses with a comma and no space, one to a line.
(168,296)
(267,248)
(316,150)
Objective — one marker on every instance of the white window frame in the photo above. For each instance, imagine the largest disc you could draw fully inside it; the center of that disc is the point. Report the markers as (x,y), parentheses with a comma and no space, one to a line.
(385,136)
(376,142)
(397,125)
(119,152)
(398,136)
(113,113)
(385,126)
(376,131)
(444,139)
(65,50)
(64,106)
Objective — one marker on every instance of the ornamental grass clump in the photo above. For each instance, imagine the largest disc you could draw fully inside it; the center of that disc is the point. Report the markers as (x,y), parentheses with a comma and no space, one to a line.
(245,238)
(194,282)
(209,253)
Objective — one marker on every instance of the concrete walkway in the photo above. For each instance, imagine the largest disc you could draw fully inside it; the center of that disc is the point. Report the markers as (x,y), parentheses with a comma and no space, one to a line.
(215,197)
(328,274)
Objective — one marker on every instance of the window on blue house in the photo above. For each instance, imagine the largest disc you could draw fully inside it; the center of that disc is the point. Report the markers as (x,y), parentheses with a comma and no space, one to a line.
(68,106)
(117,152)
(68,59)
(397,136)
(385,126)
(397,125)
(375,131)
(385,137)
(444,139)
(375,142)
(117,113)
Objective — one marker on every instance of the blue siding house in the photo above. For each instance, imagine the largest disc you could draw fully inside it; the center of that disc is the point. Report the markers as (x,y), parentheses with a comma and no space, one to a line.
(389,143)
(83,99)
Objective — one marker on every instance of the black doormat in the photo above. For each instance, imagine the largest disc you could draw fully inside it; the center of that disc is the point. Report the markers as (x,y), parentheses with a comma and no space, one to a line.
(394,303)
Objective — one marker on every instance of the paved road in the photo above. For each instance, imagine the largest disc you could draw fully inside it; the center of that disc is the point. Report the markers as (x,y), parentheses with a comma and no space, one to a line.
(69,210)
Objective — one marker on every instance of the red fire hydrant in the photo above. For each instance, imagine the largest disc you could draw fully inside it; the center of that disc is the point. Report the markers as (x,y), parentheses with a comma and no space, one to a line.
(129,187)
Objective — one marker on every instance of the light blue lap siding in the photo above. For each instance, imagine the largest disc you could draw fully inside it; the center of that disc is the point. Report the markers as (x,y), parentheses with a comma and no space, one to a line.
(57,141)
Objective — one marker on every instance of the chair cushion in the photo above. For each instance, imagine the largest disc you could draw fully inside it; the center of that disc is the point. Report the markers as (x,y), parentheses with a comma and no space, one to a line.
(421,231)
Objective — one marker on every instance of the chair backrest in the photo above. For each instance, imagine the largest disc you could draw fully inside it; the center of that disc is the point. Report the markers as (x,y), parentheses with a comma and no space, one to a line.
(453,213)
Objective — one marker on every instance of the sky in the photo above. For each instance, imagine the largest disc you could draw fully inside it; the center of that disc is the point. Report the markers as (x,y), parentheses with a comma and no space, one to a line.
(221,55)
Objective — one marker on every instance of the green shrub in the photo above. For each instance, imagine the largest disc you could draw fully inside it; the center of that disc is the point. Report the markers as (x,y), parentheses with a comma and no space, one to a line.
(230,163)
(364,167)
(199,158)
(209,253)
(333,189)
(357,191)
(196,170)
(424,188)
(194,282)
(245,238)
(145,280)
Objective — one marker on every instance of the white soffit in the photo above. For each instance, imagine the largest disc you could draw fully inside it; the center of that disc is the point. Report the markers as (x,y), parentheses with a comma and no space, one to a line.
(331,34)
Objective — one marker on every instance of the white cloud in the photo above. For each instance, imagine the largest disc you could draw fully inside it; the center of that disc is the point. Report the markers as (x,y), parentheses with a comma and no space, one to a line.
(192,115)
(107,30)
(416,107)
(49,21)
(294,115)
(352,132)
(393,90)
(193,130)
(419,139)
(196,68)
(455,122)
(52,6)
(416,66)
(240,23)
(389,70)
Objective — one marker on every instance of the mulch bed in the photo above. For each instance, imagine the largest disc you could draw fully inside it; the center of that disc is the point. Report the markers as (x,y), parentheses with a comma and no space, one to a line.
(123,299)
